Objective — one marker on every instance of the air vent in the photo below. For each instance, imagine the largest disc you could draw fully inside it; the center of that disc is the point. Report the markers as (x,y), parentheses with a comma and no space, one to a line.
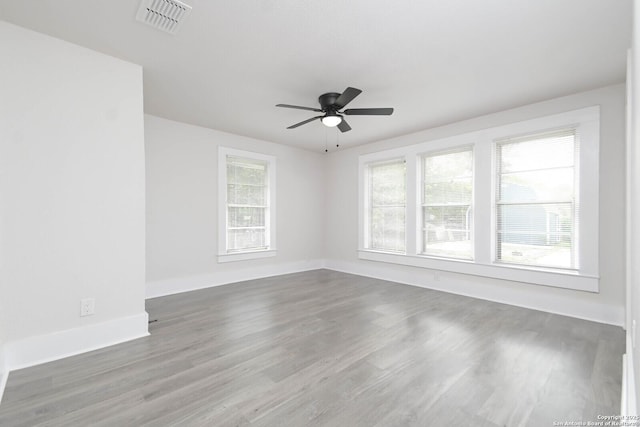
(165,15)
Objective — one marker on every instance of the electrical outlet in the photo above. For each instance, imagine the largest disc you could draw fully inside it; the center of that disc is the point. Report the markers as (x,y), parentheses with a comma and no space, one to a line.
(436,276)
(87,306)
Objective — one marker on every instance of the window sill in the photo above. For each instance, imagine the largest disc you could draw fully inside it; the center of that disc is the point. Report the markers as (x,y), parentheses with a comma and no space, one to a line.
(556,278)
(243,256)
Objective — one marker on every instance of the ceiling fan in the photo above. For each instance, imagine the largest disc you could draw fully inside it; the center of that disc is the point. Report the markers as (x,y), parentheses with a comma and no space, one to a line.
(331,103)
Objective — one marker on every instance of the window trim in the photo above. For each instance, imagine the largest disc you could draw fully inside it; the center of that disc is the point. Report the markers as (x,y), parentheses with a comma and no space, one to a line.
(585,278)
(270,221)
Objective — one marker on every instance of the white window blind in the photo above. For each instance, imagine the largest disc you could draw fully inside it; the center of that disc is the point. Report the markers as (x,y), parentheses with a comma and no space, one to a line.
(447,193)
(387,205)
(247,204)
(537,208)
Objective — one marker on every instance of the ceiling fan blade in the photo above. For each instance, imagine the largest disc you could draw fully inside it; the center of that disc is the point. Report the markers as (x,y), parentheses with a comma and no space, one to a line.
(344,126)
(297,107)
(368,112)
(304,122)
(346,97)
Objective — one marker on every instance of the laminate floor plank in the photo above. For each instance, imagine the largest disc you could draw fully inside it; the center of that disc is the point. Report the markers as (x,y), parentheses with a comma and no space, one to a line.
(323,348)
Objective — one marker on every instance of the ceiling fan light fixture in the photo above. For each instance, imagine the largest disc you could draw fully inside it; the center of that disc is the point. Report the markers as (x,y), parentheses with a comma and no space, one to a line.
(331,120)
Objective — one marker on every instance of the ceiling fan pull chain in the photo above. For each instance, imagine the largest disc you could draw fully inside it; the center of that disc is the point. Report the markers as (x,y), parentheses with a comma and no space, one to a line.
(326,149)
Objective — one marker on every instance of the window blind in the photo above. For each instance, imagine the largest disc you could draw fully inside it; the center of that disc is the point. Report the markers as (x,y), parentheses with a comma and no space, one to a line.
(537,209)
(247,204)
(387,205)
(447,192)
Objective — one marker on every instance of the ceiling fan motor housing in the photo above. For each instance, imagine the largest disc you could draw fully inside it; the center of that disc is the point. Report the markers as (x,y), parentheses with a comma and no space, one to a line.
(328,100)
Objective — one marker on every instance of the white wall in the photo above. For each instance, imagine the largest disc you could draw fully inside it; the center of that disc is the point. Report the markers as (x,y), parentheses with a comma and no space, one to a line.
(606,306)
(182,235)
(72,197)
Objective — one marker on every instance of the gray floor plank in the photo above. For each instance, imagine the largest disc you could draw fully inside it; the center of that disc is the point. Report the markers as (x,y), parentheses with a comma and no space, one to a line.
(323,348)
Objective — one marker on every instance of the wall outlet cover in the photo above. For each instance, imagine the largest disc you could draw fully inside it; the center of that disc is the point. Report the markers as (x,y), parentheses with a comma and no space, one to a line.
(87,306)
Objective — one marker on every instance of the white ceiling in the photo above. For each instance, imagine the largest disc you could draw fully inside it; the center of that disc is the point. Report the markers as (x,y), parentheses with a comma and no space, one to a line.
(434,61)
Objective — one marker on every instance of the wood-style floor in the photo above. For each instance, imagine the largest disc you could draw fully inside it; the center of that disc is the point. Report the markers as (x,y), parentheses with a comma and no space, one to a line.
(331,349)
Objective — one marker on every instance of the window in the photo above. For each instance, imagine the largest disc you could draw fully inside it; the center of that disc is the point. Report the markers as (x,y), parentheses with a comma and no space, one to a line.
(447,186)
(535,207)
(247,204)
(517,202)
(247,184)
(386,214)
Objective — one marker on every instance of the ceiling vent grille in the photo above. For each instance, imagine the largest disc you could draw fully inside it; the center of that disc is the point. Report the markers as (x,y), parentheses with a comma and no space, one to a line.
(164,15)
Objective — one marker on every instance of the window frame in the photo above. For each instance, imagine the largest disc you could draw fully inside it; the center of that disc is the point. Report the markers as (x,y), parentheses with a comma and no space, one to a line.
(586,121)
(224,255)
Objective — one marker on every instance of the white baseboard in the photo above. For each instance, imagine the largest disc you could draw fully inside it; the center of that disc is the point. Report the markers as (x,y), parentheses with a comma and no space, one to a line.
(160,288)
(520,297)
(46,348)
(628,405)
